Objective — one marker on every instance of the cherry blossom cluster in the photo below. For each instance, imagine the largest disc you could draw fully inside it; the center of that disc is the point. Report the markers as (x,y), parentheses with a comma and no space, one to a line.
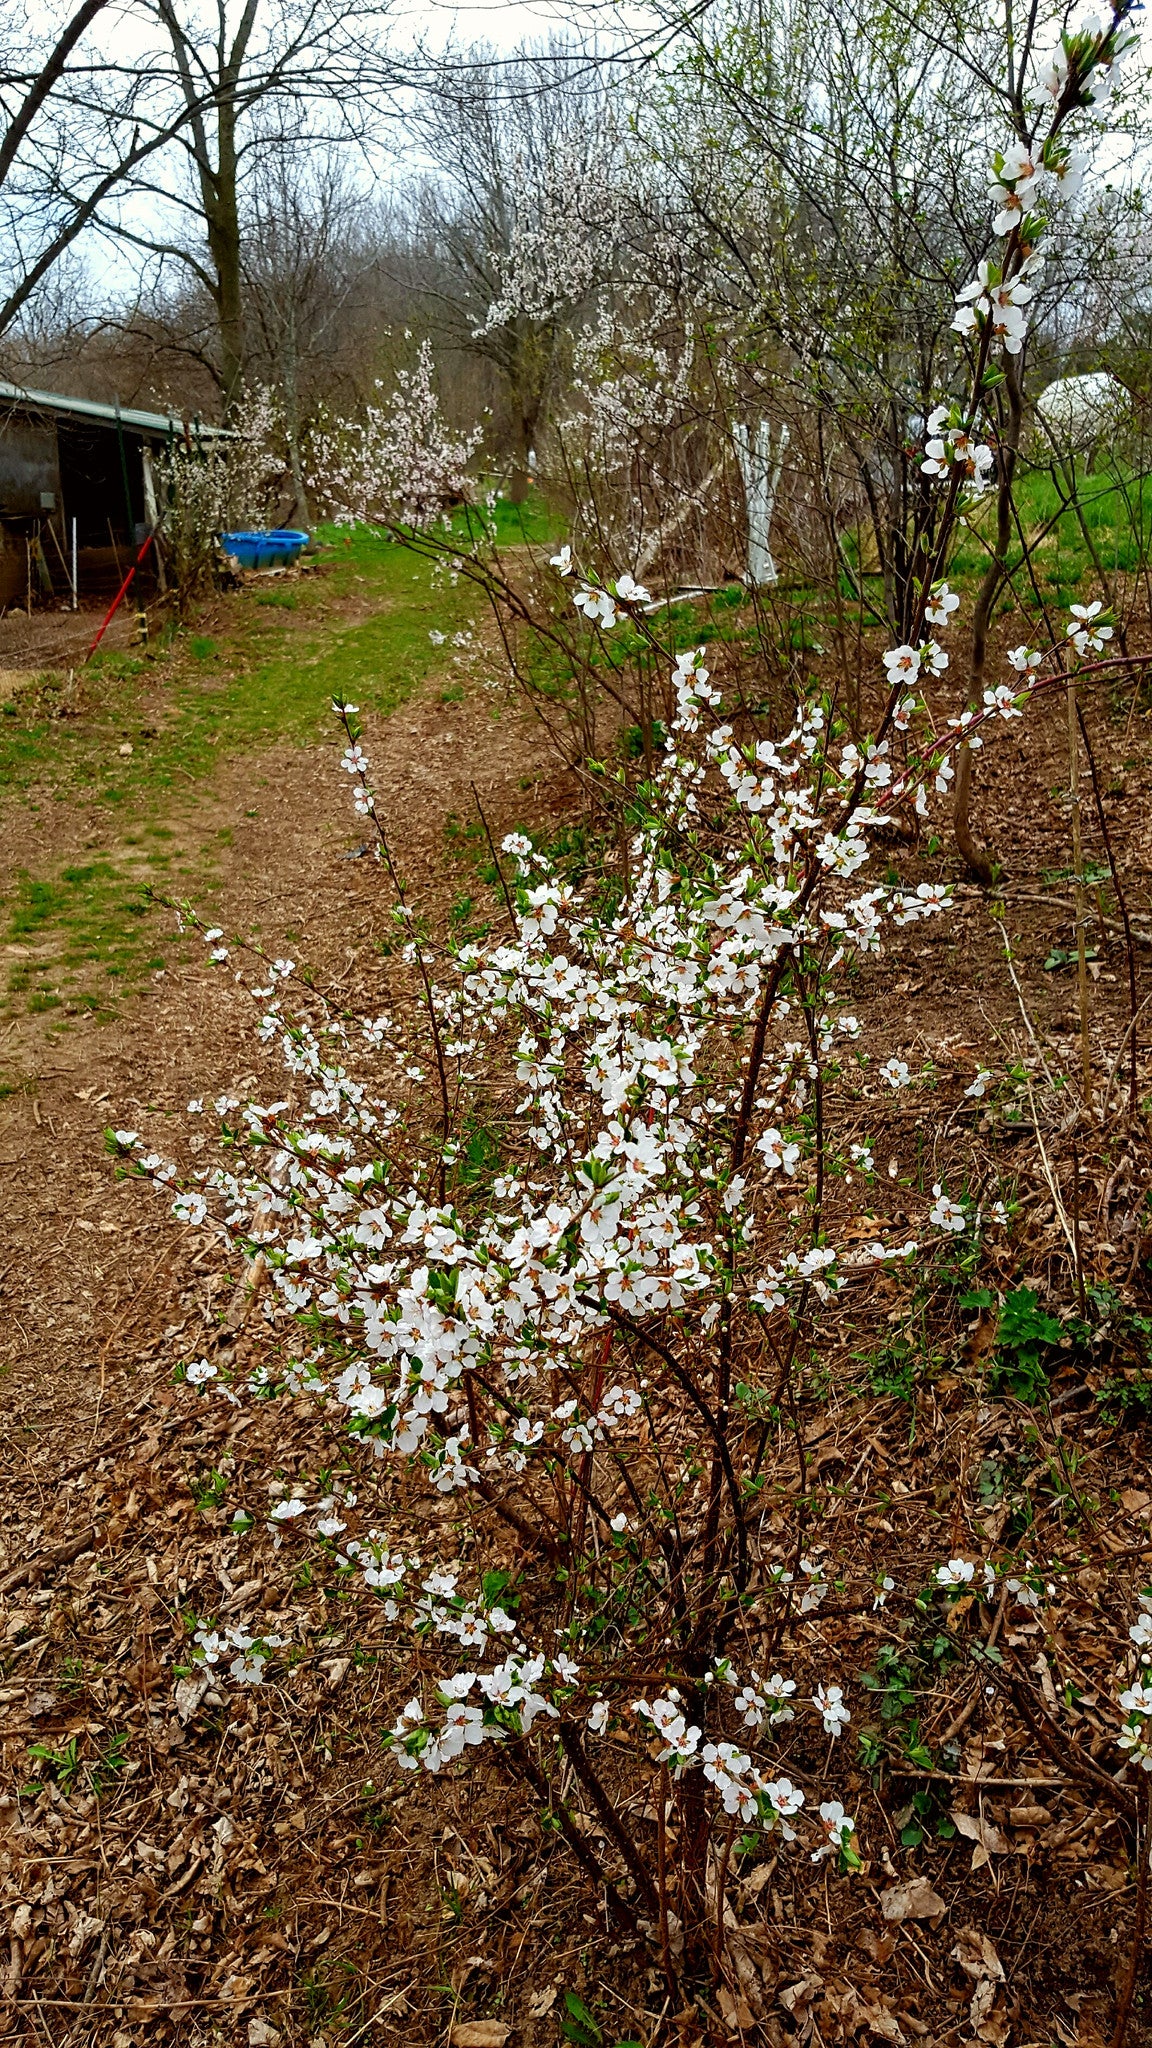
(477,1706)
(207,488)
(999,303)
(1025,177)
(564,226)
(252,1653)
(1135,1736)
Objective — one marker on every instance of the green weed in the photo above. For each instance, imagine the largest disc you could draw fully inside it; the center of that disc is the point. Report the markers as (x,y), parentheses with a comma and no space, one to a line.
(924,1814)
(108,1765)
(892,1371)
(581,2026)
(64,1764)
(210,1488)
(1026,1337)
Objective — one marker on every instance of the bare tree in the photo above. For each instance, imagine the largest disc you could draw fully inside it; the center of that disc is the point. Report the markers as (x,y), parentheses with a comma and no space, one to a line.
(308,253)
(76,127)
(246,71)
(814,207)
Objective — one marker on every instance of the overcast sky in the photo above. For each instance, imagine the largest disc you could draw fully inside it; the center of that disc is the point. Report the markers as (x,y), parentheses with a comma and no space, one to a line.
(504,24)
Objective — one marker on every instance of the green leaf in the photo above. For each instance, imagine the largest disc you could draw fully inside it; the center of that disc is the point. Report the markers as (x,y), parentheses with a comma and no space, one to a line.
(580,2025)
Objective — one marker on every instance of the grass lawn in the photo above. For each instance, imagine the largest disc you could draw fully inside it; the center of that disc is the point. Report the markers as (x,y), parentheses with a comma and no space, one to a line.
(131,747)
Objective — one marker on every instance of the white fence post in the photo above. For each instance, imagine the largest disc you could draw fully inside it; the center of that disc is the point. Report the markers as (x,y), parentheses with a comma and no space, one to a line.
(761,482)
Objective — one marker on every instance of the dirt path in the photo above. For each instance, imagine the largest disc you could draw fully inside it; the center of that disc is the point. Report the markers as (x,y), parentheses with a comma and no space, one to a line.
(79,1246)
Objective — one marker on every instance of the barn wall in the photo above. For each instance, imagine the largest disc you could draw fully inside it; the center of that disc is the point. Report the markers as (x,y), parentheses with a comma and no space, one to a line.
(29,469)
(53,472)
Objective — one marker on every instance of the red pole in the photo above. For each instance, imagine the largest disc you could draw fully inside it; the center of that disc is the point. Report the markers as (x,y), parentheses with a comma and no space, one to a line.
(116,602)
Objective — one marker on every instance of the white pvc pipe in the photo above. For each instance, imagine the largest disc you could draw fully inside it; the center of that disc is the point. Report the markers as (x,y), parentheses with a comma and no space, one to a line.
(73,565)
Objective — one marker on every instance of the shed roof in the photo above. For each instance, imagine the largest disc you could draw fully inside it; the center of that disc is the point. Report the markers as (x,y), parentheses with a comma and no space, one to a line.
(155,424)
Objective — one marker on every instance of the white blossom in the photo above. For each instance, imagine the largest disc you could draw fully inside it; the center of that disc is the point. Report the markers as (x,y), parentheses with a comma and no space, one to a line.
(829,1700)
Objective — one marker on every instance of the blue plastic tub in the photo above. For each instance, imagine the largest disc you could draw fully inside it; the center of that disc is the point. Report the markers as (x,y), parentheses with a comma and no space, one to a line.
(275,550)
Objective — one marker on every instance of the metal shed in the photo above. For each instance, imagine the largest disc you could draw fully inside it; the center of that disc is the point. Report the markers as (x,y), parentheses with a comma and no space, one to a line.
(76,478)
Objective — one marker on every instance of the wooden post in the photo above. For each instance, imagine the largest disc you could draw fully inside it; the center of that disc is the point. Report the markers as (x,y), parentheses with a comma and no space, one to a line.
(1079,894)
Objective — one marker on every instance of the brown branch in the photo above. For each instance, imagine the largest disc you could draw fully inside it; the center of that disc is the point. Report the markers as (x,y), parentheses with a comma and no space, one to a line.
(618,1908)
(1131,1979)
(48,1560)
(573,1747)
(1065,1750)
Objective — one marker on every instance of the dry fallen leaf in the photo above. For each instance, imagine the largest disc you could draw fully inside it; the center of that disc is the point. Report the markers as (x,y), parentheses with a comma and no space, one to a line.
(796,1998)
(1030,1816)
(542,2002)
(480,2034)
(988,1840)
(737,2012)
(976,1956)
(881,1947)
(979,1961)
(189,1692)
(884,2025)
(855,2012)
(915,1900)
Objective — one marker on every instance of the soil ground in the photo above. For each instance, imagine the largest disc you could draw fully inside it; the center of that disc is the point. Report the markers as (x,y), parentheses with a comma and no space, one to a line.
(242,1873)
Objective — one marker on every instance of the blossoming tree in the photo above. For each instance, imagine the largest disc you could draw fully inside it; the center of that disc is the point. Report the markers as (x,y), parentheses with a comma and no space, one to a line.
(399,461)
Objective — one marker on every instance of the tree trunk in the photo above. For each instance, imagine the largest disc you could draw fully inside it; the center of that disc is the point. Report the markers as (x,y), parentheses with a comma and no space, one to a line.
(528,373)
(973,855)
(216,176)
(521,480)
(761,482)
(223,224)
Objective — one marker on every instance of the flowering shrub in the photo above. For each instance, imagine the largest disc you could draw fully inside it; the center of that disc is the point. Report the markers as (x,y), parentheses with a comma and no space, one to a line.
(587,1343)
(595,1342)
(222,484)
